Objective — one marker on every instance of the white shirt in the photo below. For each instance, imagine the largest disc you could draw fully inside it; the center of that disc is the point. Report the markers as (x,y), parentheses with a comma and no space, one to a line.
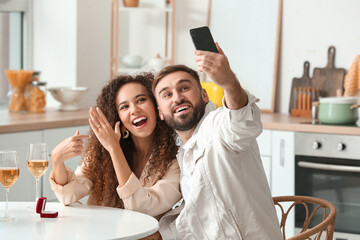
(185,177)
(228,197)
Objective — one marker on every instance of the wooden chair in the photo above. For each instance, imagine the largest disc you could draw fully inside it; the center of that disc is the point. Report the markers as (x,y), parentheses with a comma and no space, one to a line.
(328,216)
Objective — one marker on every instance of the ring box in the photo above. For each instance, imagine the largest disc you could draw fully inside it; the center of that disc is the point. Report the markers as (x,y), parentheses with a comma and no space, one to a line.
(40,208)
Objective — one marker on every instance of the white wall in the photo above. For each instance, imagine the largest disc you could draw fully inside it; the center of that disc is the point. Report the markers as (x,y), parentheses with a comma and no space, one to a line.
(93,47)
(72,45)
(72,42)
(189,14)
(72,39)
(55,43)
(309,28)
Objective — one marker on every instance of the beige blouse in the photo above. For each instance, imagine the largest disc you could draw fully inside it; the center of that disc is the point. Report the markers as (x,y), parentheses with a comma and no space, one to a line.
(153,197)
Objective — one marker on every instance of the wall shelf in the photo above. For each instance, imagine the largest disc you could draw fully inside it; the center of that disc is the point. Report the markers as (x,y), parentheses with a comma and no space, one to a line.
(126,30)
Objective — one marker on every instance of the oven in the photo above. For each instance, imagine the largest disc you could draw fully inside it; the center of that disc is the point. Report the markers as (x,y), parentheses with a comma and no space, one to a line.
(328,167)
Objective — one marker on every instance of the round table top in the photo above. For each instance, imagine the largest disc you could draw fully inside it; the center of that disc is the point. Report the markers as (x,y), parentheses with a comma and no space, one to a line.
(76,221)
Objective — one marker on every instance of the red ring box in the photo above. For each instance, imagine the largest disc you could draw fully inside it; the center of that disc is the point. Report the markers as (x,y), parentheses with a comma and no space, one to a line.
(40,208)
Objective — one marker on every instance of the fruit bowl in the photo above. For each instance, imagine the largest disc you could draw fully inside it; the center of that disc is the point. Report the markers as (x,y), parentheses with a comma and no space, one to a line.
(68,97)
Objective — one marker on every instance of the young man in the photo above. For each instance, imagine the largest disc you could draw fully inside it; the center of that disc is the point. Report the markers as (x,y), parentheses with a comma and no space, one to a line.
(223,183)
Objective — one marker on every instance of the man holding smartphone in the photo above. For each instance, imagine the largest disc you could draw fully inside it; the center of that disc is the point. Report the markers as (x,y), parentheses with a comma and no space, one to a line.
(225,191)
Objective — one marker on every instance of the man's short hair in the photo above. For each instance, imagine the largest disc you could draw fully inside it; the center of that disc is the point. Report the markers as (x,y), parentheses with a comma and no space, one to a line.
(175,68)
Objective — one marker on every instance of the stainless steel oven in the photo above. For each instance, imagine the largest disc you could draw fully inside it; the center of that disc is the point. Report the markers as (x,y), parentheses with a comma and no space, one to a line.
(328,167)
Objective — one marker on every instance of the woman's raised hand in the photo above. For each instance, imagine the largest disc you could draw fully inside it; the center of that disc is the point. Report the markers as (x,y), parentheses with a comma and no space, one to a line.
(69,148)
(107,136)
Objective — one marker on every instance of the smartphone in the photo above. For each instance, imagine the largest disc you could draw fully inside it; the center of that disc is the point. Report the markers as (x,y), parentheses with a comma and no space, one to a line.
(203,39)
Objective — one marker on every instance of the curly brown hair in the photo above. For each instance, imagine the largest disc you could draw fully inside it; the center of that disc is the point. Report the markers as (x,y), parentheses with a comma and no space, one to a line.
(98,166)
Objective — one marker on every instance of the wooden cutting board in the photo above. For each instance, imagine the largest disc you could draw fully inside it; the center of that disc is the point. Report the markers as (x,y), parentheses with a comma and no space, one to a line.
(304,81)
(329,79)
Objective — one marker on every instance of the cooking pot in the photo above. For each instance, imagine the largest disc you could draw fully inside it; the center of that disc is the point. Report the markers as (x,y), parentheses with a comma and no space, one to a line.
(338,110)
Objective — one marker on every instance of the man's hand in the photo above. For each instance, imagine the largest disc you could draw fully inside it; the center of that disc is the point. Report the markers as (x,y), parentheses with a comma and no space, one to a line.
(217,67)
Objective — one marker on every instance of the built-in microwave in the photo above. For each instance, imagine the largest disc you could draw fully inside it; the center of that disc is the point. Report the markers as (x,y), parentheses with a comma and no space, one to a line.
(328,167)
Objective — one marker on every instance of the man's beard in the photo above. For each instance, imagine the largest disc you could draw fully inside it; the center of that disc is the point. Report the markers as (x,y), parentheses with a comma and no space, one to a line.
(186,123)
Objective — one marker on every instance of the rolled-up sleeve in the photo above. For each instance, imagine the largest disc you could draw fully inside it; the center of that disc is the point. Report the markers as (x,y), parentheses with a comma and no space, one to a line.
(236,129)
(77,187)
(153,200)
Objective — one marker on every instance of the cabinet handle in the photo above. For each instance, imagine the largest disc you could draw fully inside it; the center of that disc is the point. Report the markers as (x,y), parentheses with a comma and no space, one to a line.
(282,149)
(330,167)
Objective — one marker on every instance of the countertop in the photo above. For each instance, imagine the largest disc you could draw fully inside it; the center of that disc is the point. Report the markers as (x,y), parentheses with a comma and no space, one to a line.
(17,122)
(52,118)
(286,122)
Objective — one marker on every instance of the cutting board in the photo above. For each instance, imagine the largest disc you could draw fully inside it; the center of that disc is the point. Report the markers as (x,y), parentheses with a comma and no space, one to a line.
(329,79)
(304,81)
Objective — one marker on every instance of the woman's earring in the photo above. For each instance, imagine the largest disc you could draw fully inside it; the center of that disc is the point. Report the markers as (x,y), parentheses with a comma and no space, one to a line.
(125,133)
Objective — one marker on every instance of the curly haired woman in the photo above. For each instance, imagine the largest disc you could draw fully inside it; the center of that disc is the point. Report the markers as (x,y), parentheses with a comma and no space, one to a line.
(133,168)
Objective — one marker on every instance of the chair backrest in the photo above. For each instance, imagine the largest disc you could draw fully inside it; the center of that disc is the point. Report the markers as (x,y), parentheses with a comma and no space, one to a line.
(328,216)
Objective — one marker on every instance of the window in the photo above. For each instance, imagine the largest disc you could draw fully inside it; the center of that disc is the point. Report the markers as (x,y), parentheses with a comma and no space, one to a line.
(15,39)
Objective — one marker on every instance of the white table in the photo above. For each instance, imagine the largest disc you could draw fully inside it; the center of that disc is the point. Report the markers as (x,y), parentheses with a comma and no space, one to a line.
(75,222)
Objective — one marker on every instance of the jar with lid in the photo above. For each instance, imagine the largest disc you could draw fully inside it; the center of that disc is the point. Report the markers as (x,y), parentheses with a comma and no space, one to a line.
(37,101)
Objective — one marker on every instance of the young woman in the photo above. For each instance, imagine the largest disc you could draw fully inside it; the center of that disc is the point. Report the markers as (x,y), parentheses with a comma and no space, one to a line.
(130,158)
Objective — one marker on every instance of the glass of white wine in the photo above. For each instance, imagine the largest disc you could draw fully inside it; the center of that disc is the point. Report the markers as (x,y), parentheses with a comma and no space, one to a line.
(37,163)
(9,173)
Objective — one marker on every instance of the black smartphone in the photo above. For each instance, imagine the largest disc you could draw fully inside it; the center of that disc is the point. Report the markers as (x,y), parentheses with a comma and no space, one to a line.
(203,39)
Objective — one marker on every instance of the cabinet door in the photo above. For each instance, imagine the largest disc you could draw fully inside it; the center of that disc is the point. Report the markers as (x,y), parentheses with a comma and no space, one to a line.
(24,188)
(53,137)
(283,173)
(283,160)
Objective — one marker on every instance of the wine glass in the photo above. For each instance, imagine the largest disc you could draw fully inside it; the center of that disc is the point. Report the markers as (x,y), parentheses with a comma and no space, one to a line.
(9,173)
(37,163)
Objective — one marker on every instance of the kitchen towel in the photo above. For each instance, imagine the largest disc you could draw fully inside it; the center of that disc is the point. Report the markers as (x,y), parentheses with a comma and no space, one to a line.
(352,79)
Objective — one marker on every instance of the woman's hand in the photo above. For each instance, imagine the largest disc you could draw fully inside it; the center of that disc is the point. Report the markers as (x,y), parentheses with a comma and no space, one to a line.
(69,148)
(107,136)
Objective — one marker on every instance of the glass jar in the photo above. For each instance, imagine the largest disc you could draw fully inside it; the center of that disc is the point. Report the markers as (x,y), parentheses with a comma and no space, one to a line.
(37,100)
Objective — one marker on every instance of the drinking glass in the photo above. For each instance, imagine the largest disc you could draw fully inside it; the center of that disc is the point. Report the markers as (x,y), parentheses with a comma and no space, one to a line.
(37,163)
(9,173)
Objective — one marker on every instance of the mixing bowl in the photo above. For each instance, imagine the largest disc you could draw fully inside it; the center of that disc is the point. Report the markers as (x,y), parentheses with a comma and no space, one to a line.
(68,96)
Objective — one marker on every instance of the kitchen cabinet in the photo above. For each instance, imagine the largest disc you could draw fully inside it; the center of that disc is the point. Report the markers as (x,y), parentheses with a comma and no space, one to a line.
(24,188)
(283,172)
(145,31)
(278,158)
(283,163)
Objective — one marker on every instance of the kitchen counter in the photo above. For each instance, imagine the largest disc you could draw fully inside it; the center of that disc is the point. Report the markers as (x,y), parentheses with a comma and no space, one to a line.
(285,122)
(24,121)
(17,122)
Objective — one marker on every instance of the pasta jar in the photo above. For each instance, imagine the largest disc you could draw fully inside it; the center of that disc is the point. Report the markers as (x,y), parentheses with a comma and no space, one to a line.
(37,97)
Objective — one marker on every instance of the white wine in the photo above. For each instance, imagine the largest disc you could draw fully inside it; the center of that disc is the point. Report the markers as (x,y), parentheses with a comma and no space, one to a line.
(37,167)
(8,176)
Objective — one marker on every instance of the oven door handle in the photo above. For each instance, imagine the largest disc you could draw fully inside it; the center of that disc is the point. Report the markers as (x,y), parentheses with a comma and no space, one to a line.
(330,167)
